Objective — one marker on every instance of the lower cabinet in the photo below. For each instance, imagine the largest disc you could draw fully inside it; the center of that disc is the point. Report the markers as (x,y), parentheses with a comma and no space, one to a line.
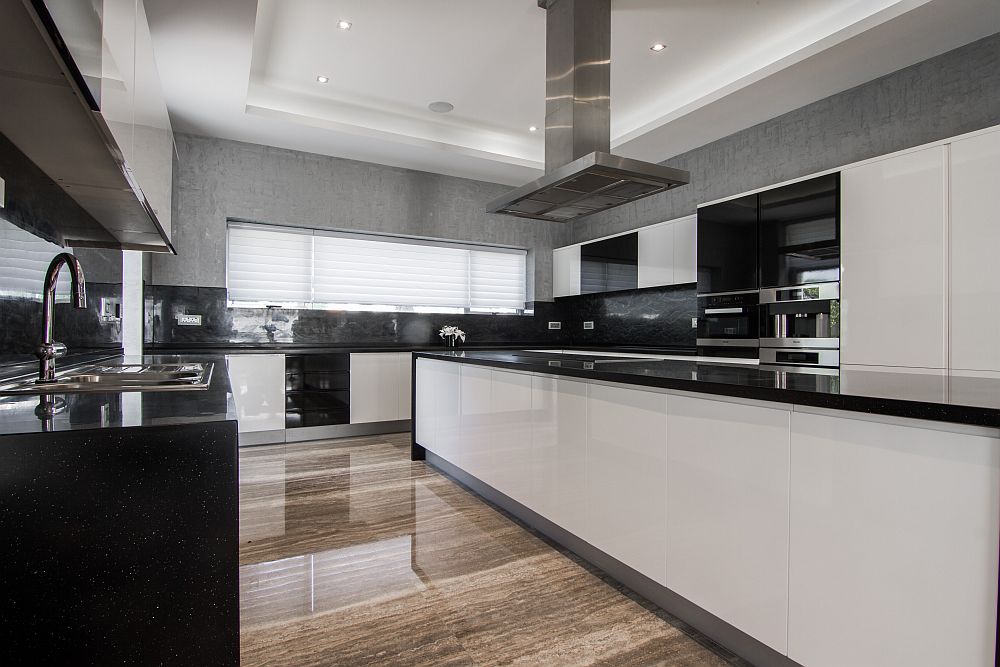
(626,477)
(727,511)
(475,439)
(380,386)
(511,445)
(258,386)
(893,544)
(439,405)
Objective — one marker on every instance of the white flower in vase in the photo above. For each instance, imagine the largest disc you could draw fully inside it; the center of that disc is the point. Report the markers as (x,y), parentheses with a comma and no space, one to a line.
(450,333)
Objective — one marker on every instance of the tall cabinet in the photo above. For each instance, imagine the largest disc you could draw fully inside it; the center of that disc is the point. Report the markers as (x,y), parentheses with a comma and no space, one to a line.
(974,249)
(894,272)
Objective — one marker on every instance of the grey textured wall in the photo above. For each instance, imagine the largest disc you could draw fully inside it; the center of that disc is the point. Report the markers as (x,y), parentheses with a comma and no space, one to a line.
(956,92)
(217,179)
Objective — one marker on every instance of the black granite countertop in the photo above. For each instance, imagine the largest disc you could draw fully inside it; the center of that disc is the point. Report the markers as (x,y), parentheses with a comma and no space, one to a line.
(285,348)
(949,398)
(95,410)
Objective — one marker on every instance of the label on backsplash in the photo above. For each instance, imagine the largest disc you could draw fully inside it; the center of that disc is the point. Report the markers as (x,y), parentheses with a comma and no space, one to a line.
(189,320)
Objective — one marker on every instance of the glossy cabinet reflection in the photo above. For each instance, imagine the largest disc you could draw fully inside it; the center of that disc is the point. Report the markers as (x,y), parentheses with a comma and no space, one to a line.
(893,544)
(727,509)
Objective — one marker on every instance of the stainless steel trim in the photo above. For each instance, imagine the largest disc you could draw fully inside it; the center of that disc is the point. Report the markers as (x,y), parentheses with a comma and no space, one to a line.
(807,370)
(746,291)
(725,311)
(801,343)
(824,291)
(728,342)
(826,357)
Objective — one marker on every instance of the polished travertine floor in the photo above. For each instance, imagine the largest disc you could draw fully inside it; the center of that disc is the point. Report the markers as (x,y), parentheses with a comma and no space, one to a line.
(351,554)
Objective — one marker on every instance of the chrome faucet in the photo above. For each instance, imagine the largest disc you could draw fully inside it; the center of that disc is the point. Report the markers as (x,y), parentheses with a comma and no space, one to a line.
(48,349)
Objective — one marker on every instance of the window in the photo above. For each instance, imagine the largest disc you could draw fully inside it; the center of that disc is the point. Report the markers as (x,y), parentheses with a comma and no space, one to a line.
(24,259)
(269,265)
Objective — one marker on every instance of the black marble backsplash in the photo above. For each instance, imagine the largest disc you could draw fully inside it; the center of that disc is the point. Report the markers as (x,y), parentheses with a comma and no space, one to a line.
(657,317)
(81,330)
(221,324)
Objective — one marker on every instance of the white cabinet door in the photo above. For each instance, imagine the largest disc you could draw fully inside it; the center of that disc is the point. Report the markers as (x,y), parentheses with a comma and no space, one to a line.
(566,271)
(893,544)
(727,512)
(559,451)
(476,438)
(626,471)
(656,255)
(685,250)
(258,386)
(893,240)
(511,459)
(374,387)
(427,388)
(975,246)
(447,400)
(404,384)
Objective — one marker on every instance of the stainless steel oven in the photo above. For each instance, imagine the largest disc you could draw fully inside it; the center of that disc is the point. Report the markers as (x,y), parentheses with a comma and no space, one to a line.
(728,324)
(800,326)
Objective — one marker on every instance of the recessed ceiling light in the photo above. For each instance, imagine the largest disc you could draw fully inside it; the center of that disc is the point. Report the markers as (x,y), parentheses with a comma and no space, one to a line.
(440,107)
(532,129)
(344,25)
(323,79)
(659,46)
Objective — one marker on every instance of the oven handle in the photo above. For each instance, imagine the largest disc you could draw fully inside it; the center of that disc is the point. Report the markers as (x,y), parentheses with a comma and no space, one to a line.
(723,311)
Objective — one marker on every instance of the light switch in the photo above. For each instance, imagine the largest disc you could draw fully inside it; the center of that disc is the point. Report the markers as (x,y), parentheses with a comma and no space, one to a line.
(555,325)
(588,325)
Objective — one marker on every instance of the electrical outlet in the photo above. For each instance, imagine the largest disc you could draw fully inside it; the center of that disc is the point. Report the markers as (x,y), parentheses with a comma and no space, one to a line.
(588,325)
(694,322)
(555,325)
(189,320)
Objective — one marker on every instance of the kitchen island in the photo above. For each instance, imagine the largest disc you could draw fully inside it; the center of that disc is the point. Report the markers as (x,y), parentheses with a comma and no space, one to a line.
(120,523)
(797,518)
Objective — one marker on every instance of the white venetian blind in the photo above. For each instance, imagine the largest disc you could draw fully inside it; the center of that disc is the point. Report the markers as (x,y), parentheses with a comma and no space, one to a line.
(497,279)
(24,259)
(269,264)
(315,268)
(354,270)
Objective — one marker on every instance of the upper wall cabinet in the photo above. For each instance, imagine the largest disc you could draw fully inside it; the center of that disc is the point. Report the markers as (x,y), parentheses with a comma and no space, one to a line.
(82,101)
(667,253)
(975,242)
(610,265)
(894,233)
(566,271)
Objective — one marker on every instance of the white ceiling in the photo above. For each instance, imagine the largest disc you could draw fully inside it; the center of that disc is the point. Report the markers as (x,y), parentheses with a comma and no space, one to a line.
(246,70)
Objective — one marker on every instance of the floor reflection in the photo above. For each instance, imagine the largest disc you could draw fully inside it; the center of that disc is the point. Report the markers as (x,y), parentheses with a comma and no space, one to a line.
(351,554)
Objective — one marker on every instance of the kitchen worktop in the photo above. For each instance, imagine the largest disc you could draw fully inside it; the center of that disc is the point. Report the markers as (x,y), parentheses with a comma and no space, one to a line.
(103,410)
(284,348)
(959,399)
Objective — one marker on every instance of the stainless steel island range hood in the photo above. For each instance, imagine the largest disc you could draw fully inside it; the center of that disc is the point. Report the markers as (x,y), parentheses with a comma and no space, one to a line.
(581,176)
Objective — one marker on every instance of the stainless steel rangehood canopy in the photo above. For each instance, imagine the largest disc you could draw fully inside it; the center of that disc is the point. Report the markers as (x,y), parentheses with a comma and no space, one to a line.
(581,176)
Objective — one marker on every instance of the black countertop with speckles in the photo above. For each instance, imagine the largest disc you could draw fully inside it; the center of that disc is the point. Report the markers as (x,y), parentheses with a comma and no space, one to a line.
(102,410)
(947,398)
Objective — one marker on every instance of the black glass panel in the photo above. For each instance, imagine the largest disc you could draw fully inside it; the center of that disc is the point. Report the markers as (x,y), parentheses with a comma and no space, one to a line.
(610,265)
(800,233)
(727,246)
(317,390)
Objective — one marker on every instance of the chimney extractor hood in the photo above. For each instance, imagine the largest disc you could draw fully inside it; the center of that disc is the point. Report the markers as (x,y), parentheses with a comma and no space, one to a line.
(581,176)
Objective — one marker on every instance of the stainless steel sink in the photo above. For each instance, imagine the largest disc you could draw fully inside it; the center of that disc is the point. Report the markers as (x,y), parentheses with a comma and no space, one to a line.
(116,377)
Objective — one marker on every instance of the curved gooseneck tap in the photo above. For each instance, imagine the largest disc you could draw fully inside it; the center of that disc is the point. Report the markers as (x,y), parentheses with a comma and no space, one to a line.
(48,349)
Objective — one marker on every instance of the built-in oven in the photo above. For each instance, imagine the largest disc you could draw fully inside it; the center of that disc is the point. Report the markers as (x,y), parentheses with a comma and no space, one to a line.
(799,226)
(728,325)
(800,326)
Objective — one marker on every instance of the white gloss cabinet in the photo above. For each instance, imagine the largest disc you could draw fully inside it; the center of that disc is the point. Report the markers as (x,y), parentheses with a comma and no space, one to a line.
(258,386)
(380,387)
(559,451)
(893,544)
(425,420)
(476,422)
(893,240)
(727,511)
(566,271)
(626,476)
(685,250)
(974,247)
(656,255)
(511,454)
